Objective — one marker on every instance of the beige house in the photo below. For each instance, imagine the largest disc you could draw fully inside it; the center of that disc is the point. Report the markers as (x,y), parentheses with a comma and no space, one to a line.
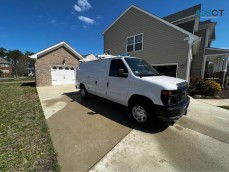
(177,45)
(56,65)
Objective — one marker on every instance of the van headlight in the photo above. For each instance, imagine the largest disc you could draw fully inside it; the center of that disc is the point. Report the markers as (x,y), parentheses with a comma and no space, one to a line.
(169,97)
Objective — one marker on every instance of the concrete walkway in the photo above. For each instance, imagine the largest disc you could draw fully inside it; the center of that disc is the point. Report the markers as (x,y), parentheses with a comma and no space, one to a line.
(215,102)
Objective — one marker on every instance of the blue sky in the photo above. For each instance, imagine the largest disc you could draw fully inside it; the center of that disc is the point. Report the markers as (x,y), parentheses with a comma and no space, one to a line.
(34,25)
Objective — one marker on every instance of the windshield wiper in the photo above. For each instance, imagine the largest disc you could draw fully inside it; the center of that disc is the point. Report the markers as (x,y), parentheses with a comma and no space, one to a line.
(141,74)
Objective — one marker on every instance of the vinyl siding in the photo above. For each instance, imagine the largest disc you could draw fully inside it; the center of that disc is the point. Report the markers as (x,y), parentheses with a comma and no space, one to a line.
(161,43)
(197,59)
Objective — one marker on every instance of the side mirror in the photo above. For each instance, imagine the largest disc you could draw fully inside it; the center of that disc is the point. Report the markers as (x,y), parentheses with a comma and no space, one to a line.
(121,73)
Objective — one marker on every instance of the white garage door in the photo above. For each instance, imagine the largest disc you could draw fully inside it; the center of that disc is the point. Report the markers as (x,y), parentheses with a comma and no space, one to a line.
(62,75)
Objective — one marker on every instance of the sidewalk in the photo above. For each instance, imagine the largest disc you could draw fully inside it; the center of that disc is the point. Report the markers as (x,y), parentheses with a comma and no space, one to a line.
(215,102)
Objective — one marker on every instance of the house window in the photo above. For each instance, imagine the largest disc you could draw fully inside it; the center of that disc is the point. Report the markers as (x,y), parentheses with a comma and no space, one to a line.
(60,68)
(4,65)
(72,68)
(54,68)
(5,71)
(66,68)
(134,43)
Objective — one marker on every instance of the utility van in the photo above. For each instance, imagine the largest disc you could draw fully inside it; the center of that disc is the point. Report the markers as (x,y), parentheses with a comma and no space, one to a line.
(132,82)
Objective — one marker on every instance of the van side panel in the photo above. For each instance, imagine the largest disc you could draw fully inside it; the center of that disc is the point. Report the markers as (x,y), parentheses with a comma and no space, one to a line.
(93,75)
(101,72)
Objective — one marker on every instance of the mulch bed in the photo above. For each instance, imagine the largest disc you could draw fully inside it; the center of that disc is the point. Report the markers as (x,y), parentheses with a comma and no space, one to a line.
(223,95)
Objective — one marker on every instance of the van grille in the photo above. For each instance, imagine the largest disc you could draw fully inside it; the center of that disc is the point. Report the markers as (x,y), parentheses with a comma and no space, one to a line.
(182,91)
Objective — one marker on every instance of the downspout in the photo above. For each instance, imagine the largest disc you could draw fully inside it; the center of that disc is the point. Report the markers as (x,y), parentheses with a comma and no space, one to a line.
(190,42)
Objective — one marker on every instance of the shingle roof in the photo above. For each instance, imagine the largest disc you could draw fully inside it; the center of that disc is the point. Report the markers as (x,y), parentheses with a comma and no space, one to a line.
(2,60)
(182,14)
(216,51)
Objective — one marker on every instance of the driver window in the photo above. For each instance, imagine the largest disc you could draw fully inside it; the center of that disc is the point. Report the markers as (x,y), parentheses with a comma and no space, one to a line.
(117,64)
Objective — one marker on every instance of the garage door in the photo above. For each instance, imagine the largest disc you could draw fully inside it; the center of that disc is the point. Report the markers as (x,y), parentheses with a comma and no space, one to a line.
(62,75)
(167,70)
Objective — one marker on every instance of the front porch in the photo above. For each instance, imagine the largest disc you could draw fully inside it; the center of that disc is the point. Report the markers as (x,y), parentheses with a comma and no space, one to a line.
(215,65)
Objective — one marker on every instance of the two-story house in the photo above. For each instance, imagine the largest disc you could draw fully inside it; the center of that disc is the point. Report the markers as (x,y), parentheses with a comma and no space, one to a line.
(5,67)
(177,45)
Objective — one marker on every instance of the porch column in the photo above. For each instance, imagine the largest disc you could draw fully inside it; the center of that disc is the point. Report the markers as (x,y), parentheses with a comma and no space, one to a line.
(203,67)
(224,70)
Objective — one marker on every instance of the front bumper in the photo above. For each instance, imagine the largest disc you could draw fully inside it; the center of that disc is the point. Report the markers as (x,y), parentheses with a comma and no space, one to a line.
(173,113)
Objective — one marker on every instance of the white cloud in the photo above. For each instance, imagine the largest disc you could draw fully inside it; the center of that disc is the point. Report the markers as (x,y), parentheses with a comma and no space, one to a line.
(82,5)
(77,8)
(86,20)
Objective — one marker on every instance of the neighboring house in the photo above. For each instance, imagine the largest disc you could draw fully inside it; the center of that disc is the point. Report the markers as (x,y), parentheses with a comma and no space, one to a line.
(5,67)
(177,45)
(56,65)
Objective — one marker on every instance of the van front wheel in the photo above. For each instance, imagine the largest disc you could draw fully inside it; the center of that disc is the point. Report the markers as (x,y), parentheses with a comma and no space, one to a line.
(83,92)
(142,114)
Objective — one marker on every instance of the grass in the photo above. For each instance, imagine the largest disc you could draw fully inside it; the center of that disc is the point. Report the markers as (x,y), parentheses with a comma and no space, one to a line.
(21,79)
(25,143)
(225,107)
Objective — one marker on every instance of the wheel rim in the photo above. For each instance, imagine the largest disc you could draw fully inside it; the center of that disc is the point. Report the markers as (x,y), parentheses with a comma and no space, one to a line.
(139,113)
(82,92)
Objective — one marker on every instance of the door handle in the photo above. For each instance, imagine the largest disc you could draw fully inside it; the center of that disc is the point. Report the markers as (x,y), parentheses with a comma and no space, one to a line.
(107,84)
(95,82)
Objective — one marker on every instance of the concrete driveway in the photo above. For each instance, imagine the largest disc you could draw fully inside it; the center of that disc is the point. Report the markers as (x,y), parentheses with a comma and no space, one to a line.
(82,132)
(97,135)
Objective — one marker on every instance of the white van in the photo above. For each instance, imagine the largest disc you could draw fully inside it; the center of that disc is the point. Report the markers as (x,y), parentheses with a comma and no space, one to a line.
(132,82)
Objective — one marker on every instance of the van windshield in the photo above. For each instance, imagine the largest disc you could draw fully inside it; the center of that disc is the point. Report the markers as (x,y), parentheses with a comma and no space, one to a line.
(140,67)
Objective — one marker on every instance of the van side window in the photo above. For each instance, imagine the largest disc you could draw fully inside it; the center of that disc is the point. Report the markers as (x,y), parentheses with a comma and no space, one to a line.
(117,64)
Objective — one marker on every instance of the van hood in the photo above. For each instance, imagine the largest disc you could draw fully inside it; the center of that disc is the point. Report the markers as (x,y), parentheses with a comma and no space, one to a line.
(166,82)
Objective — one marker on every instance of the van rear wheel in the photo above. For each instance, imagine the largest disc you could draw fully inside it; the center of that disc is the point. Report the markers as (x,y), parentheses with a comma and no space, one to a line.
(83,92)
(142,113)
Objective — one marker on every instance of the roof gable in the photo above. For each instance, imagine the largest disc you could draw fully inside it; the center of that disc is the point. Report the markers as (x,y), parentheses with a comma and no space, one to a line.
(54,47)
(194,37)
(4,61)
(183,14)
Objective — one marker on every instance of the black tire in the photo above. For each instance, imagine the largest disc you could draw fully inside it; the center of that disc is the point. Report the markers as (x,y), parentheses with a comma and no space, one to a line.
(142,113)
(83,93)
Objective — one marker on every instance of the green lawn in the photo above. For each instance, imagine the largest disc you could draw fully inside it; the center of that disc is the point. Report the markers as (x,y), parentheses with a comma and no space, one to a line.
(21,79)
(225,107)
(25,143)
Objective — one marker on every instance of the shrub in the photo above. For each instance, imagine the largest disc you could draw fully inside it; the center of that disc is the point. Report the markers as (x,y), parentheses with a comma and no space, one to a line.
(209,88)
(213,88)
(194,80)
(202,87)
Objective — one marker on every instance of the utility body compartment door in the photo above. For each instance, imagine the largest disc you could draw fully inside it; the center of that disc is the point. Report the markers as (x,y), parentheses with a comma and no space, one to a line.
(117,87)
(100,79)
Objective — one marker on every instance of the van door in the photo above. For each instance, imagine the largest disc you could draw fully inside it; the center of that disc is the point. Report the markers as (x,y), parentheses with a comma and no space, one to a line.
(100,75)
(117,86)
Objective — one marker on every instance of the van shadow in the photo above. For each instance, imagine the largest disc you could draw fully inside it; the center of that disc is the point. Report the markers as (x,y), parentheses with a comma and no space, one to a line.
(28,84)
(115,112)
